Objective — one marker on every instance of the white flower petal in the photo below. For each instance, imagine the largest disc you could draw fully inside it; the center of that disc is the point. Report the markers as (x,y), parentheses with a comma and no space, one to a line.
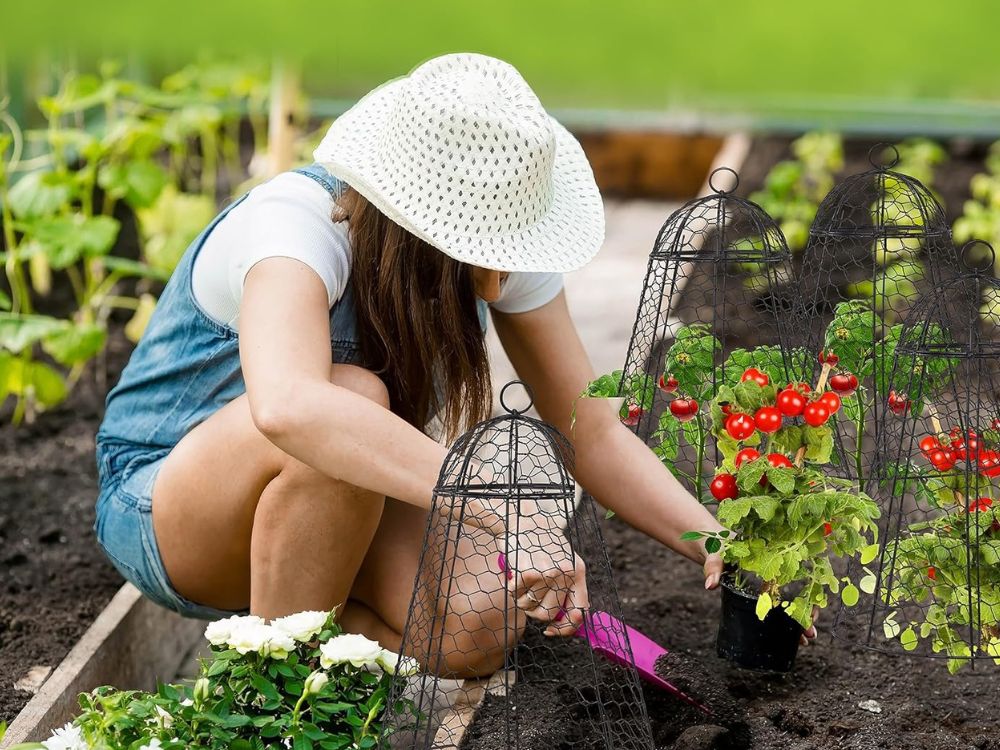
(349,648)
(302,626)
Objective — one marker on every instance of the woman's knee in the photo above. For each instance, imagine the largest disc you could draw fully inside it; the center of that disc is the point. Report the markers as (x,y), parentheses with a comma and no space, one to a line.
(480,648)
(361,381)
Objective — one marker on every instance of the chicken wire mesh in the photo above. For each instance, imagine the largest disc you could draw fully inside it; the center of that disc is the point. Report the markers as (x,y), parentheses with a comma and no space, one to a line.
(878,244)
(935,578)
(507,684)
(716,283)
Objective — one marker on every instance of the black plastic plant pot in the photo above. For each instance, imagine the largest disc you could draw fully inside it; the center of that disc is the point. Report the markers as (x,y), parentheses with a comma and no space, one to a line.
(749,642)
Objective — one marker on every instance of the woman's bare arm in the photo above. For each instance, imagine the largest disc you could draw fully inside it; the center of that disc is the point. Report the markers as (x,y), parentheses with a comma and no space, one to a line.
(285,353)
(611,463)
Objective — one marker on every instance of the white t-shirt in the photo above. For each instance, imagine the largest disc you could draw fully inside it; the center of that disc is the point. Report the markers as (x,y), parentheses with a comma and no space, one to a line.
(289,216)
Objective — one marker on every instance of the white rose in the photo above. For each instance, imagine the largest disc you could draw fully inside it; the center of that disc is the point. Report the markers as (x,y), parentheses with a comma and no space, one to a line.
(315,682)
(219,632)
(393,663)
(302,626)
(252,637)
(68,738)
(279,644)
(248,637)
(349,648)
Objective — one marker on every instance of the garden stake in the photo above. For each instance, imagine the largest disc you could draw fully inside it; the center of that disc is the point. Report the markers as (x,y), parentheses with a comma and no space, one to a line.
(824,374)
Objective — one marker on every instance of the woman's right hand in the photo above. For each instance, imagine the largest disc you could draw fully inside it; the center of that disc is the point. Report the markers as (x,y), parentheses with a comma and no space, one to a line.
(550,583)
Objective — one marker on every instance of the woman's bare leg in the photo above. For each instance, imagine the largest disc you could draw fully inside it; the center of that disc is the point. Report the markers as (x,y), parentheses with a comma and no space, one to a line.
(240,523)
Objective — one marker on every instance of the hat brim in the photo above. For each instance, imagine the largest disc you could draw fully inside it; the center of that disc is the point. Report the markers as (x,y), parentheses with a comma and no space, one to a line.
(566,238)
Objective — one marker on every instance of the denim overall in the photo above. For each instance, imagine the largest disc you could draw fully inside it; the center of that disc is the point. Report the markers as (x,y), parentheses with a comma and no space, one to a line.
(185,368)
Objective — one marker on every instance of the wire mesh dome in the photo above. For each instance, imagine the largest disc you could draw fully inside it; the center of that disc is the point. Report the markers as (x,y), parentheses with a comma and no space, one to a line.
(936,576)
(508,684)
(717,276)
(879,242)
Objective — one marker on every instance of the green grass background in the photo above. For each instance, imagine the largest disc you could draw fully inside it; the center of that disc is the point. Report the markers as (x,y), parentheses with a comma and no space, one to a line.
(740,55)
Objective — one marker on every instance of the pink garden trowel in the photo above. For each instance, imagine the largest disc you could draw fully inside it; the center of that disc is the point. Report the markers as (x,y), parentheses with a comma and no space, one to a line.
(611,638)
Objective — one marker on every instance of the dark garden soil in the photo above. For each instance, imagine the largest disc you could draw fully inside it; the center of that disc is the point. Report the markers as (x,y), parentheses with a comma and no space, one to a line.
(815,707)
(54,579)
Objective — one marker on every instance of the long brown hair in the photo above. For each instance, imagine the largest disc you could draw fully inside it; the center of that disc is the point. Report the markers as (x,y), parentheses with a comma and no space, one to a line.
(417,319)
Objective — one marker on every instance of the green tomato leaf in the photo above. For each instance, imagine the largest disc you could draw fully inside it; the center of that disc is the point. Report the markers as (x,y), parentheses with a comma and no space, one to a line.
(783,480)
(712,545)
(908,639)
(691,536)
(787,440)
(819,443)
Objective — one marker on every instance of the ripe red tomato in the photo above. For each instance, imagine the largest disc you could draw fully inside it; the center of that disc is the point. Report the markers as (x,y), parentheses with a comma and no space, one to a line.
(844,383)
(684,409)
(983,503)
(989,463)
(791,403)
(767,419)
(972,451)
(634,414)
(932,573)
(747,454)
(803,388)
(752,373)
(816,414)
(898,402)
(941,459)
(740,426)
(827,357)
(831,400)
(723,487)
(929,443)
(668,384)
(827,528)
(779,461)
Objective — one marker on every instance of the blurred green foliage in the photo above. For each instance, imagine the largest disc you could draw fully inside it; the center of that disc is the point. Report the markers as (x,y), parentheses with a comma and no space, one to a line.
(632,53)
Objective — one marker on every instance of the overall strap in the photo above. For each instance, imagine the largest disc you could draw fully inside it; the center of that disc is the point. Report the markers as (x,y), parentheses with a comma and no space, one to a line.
(330,183)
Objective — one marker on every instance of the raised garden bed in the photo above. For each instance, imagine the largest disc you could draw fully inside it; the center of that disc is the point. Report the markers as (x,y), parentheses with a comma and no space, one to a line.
(54,579)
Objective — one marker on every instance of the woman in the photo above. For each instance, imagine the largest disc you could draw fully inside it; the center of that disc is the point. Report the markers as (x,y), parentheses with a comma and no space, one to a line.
(241,470)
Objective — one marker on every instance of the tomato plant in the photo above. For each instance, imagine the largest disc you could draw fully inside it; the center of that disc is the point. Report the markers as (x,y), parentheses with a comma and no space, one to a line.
(789,518)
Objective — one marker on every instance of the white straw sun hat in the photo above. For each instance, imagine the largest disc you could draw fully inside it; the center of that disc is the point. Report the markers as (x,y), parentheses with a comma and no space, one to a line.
(462,154)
